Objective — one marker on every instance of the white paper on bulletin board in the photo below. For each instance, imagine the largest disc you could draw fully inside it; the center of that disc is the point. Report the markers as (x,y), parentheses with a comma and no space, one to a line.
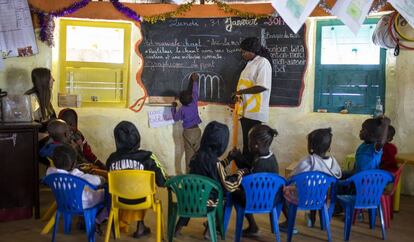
(17,36)
(160,117)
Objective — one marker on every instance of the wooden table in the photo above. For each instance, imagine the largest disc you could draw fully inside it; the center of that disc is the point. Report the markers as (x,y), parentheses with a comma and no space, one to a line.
(407,158)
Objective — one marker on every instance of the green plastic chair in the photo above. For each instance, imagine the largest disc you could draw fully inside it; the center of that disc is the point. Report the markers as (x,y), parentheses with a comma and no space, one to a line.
(192,193)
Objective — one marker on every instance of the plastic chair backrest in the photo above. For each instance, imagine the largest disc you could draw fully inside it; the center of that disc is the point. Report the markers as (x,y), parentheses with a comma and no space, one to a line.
(397,176)
(312,188)
(192,192)
(67,190)
(261,190)
(369,187)
(132,184)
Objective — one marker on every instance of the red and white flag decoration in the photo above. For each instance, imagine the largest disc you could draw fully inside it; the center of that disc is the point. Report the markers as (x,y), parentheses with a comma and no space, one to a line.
(294,12)
(352,12)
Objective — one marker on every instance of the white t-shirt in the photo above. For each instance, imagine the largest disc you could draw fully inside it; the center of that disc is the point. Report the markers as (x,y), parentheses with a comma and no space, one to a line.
(258,72)
(90,197)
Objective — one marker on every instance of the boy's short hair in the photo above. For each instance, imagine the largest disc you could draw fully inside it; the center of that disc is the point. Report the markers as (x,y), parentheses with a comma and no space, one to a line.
(58,130)
(374,130)
(319,141)
(186,97)
(64,157)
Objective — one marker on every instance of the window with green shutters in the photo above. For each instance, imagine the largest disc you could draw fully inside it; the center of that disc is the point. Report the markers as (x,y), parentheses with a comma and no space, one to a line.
(350,69)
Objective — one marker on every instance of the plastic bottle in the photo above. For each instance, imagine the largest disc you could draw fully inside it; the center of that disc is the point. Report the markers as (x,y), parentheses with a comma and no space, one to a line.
(378,108)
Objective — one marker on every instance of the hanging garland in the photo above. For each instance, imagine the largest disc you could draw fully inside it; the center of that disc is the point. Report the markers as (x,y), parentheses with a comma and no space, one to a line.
(162,17)
(46,20)
(126,11)
(228,9)
(376,6)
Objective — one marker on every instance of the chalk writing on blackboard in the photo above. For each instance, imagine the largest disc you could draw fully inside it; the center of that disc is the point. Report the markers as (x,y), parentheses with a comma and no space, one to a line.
(175,48)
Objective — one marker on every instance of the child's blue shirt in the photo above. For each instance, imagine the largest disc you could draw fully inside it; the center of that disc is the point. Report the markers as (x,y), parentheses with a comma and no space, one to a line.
(367,157)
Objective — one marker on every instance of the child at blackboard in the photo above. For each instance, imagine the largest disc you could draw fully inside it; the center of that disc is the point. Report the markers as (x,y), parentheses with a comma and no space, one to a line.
(188,113)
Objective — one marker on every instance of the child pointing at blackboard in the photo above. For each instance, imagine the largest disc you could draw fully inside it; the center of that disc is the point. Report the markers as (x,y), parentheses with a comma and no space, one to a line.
(188,113)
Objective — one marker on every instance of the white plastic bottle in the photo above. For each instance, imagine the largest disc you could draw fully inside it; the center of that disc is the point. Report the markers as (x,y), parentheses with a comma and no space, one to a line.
(379,110)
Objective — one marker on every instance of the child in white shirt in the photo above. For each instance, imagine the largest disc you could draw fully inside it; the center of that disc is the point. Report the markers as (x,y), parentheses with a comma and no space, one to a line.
(64,157)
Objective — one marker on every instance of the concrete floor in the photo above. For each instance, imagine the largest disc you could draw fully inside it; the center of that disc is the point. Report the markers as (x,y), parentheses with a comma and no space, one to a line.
(402,229)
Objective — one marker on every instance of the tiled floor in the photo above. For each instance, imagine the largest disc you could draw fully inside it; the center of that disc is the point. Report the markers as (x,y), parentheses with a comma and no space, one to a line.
(402,229)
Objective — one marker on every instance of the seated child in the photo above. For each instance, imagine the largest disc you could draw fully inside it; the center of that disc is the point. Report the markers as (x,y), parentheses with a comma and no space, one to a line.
(388,161)
(188,113)
(128,156)
(319,144)
(260,139)
(77,138)
(374,134)
(59,134)
(64,157)
(206,163)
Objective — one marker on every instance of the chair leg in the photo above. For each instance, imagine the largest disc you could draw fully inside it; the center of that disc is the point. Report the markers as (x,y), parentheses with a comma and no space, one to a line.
(56,226)
(321,219)
(159,225)
(239,223)
(172,219)
(89,217)
(327,222)
(212,226)
(50,213)
(372,218)
(291,221)
(349,211)
(227,213)
(274,222)
(49,225)
(385,210)
(116,223)
(384,235)
(108,227)
(67,223)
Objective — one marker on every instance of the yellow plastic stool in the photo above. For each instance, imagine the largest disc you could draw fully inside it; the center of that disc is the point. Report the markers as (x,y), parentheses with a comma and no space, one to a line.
(133,184)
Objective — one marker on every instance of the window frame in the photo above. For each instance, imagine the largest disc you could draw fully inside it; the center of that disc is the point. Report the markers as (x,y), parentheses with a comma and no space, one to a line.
(367,110)
(124,67)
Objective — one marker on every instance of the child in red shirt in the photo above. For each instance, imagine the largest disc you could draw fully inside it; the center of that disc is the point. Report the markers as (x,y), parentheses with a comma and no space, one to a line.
(388,161)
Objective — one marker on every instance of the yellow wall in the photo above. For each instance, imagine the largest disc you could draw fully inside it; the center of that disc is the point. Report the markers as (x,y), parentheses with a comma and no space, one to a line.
(292,123)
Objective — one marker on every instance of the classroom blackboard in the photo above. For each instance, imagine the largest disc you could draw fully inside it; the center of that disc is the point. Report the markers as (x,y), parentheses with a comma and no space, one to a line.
(175,48)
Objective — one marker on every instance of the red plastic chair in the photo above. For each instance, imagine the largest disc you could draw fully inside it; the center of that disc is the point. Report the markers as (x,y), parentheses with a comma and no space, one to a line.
(386,198)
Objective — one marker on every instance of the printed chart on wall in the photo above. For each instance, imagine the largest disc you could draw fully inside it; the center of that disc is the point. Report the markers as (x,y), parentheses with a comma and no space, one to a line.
(16,29)
(175,48)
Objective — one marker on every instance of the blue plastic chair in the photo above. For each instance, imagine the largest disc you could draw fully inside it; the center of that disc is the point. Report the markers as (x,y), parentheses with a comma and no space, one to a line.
(260,190)
(369,186)
(68,190)
(312,189)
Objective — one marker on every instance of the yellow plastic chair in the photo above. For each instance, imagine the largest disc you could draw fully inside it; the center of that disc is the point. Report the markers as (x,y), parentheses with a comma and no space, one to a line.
(133,184)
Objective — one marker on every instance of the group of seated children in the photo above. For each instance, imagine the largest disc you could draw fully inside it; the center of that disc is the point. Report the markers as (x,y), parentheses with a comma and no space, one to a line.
(206,161)
(68,150)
